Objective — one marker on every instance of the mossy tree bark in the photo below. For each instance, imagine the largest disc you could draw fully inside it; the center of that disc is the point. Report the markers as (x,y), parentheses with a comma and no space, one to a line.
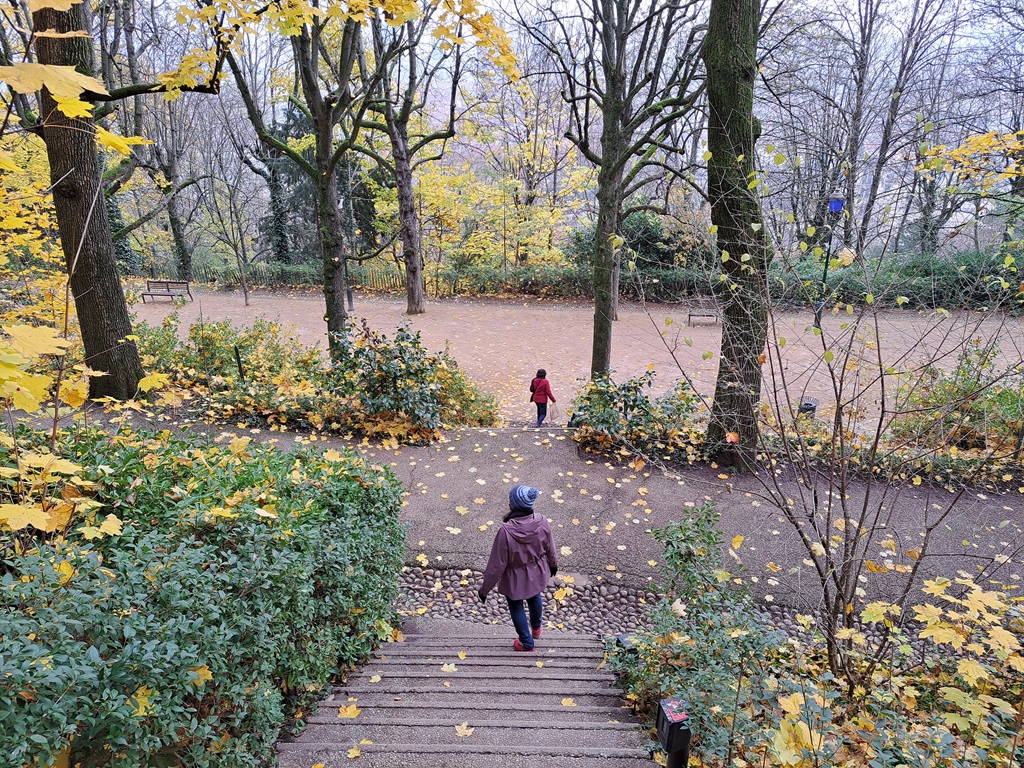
(77,177)
(730,56)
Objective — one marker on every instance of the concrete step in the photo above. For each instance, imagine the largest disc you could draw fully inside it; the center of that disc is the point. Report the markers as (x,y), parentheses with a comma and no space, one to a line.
(500,661)
(531,733)
(492,685)
(442,752)
(444,697)
(466,671)
(338,759)
(504,642)
(460,710)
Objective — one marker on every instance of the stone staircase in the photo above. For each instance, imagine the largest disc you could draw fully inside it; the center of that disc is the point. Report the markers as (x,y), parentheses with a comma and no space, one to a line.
(455,695)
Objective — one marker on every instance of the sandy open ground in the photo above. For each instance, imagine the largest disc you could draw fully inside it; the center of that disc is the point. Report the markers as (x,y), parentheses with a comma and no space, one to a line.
(501,344)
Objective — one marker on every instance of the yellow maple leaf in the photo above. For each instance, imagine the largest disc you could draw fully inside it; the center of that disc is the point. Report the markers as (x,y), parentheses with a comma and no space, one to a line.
(422,559)
(74,392)
(349,712)
(999,639)
(35,340)
(449,668)
(971,671)
(18,516)
(462,655)
(565,551)
(375,678)
(66,571)
(7,164)
(67,82)
(111,526)
(462,731)
(72,107)
(120,144)
(736,542)
(568,701)
(353,753)
(154,381)
(333,455)
(57,5)
(202,674)
(876,611)
(936,587)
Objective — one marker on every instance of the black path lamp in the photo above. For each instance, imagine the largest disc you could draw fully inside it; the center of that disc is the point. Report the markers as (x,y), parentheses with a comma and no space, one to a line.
(673,725)
(836,202)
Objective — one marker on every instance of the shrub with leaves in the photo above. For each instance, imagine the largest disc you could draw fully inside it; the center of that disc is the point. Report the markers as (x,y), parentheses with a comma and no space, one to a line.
(377,386)
(943,680)
(238,580)
(975,406)
(625,417)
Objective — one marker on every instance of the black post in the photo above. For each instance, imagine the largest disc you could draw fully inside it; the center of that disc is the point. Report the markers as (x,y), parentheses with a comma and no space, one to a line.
(820,306)
(238,359)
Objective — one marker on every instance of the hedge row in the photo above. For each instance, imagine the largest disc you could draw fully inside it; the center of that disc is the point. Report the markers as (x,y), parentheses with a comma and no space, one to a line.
(243,578)
(961,280)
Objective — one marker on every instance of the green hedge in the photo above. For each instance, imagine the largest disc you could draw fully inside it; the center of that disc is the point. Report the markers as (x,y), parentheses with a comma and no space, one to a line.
(265,572)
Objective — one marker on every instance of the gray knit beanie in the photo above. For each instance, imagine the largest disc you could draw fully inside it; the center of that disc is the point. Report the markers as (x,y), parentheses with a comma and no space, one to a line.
(522,497)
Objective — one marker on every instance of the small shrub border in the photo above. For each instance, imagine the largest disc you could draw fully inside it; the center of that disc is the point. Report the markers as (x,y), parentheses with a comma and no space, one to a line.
(379,386)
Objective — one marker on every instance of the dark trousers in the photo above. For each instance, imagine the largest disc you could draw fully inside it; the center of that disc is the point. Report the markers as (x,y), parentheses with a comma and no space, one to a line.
(518,610)
(542,412)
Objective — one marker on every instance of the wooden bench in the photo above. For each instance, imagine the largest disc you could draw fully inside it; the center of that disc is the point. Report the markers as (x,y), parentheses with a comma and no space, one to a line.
(709,315)
(169,288)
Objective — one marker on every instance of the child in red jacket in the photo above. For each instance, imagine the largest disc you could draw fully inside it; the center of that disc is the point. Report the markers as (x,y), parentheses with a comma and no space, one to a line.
(541,390)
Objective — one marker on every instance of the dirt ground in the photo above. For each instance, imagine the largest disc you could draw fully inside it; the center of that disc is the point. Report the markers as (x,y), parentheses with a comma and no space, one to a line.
(601,511)
(501,344)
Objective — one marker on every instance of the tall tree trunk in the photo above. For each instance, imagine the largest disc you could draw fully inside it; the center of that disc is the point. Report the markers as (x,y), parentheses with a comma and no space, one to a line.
(730,55)
(608,205)
(76,174)
(182,250)
(409,222)
(332,245)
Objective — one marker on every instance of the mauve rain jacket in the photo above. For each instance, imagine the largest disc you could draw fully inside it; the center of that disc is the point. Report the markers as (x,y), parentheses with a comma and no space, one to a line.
(522,558)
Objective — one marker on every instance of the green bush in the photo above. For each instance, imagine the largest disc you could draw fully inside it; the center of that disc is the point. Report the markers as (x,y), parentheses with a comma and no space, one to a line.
(963,280)
(705,636)
(759,697)
(377,385)
(608,416)
(244,577)
(974,407)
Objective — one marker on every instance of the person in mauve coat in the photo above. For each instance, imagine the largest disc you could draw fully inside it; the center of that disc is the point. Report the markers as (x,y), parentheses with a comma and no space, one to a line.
(541,389)
(522,561)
